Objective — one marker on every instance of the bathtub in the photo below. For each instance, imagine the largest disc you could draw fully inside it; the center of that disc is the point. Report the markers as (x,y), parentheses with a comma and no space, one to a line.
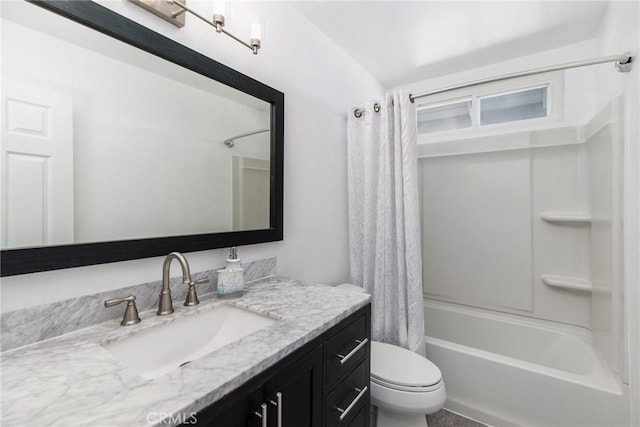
(507,370)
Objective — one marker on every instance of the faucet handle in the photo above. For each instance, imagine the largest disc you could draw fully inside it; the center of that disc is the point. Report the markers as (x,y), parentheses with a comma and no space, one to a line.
(201,281)
(131,311)
(192,297)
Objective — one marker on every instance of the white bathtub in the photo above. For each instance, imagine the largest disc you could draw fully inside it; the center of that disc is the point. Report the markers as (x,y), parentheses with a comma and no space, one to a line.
(511,370)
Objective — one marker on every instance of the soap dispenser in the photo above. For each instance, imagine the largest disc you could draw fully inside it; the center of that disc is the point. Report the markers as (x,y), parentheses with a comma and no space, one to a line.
(231,278)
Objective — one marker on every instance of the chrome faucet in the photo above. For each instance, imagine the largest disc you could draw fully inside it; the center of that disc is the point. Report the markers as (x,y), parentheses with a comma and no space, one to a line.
(165,303)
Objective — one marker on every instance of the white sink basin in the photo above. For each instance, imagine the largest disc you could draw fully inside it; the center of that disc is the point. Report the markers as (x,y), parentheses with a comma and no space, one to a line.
(156,351)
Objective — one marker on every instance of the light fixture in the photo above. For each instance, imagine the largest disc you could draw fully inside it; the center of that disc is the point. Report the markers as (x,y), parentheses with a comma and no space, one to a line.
(173,11)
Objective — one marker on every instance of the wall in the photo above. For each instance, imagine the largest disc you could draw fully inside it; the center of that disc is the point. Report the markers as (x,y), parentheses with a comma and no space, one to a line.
(476,229)
(321,82)
(605,200)
(485,240)
(620,32)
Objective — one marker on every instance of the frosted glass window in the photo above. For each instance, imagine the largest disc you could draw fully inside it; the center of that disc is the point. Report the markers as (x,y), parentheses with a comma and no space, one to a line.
(456,115)
(514,106)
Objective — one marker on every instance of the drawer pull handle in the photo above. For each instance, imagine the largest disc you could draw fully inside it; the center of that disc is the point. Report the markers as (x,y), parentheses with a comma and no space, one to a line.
(345,412)
(278,404)
(344,359)
(262,415)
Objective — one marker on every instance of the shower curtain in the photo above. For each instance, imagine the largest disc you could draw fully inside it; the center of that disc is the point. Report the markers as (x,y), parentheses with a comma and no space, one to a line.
(384,222)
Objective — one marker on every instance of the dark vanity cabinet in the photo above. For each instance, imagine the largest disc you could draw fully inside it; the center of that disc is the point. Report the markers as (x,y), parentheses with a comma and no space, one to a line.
(324,383)
(300,382)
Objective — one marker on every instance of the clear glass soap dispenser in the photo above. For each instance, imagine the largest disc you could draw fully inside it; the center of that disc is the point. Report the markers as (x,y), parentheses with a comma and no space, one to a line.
(231,278)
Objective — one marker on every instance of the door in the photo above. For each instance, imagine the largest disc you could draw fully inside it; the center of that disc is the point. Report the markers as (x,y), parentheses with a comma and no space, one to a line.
(251,193)
(36,167)
(297,392)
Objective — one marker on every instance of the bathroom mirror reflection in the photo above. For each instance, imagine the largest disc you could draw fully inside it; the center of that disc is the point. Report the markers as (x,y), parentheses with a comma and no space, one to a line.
(103,141)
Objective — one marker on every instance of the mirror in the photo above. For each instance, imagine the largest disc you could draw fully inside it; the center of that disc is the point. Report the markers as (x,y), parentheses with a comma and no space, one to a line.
(120,143)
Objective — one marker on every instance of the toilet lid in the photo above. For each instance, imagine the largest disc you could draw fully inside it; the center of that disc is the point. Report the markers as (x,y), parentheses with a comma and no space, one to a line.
(395,365)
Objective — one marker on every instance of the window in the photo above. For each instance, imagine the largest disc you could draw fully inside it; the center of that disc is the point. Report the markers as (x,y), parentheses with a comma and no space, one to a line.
(491,105)
(436,118)
(514,106)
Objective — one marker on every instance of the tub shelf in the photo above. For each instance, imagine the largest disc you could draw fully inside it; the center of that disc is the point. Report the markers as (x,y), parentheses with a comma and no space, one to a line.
(567,217)
(567,282)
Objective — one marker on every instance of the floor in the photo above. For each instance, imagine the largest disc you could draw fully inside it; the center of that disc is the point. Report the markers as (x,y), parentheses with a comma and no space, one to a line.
(444,418)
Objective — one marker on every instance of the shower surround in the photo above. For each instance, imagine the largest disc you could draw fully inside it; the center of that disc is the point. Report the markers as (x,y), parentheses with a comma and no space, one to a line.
(522,249)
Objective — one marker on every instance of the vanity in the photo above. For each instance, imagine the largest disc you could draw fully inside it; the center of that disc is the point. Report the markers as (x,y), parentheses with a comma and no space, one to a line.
(309,367)
(323,383)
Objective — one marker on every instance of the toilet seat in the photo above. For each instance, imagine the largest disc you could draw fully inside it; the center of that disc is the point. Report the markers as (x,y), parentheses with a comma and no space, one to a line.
(411,389)
(400,369)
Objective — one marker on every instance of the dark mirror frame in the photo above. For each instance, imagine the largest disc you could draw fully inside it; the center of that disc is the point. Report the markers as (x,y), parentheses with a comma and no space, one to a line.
(99,18)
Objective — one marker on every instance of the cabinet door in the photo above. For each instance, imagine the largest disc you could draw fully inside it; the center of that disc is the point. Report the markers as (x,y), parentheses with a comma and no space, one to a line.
(300,393)
(235,411)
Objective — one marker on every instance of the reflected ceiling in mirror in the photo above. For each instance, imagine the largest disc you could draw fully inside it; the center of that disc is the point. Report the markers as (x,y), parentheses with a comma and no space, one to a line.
(107,142)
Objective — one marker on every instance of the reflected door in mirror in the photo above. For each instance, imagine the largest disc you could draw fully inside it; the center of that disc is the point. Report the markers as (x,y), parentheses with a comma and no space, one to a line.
(37,164)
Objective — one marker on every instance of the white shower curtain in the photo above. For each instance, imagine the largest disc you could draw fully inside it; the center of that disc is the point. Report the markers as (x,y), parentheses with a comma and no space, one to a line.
(384,222)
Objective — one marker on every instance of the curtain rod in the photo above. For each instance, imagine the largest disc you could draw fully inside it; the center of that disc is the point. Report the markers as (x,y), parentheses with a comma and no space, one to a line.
(622,63)
(231,141)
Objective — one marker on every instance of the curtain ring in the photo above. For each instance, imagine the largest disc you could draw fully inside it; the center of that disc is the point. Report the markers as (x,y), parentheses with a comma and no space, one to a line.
(358,112)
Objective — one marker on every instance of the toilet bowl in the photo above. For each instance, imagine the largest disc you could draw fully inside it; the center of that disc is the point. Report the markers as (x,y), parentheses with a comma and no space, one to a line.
(405,386)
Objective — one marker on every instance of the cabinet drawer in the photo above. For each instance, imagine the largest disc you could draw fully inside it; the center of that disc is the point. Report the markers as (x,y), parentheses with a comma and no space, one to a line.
(349,397)
(345,350)
(360,419)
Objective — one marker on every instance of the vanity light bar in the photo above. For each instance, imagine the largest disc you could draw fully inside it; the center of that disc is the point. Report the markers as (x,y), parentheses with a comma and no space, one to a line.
(176,17)
(163,9)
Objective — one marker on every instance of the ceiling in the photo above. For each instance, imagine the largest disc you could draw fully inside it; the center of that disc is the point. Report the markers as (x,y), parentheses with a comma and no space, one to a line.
(406,41)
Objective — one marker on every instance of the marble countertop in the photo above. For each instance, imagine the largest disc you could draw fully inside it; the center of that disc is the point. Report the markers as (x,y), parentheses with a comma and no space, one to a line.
(72,380)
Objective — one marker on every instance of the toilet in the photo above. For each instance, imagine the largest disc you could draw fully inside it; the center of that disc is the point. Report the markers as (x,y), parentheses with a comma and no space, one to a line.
(405,386)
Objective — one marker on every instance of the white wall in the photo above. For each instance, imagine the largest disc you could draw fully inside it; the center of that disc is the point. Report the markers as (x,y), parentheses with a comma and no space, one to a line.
(476,229)
(320,82)
(605,200)
(485,242)
(619,33)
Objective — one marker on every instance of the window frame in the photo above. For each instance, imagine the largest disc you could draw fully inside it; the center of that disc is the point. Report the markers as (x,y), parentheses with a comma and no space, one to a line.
(555,106)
